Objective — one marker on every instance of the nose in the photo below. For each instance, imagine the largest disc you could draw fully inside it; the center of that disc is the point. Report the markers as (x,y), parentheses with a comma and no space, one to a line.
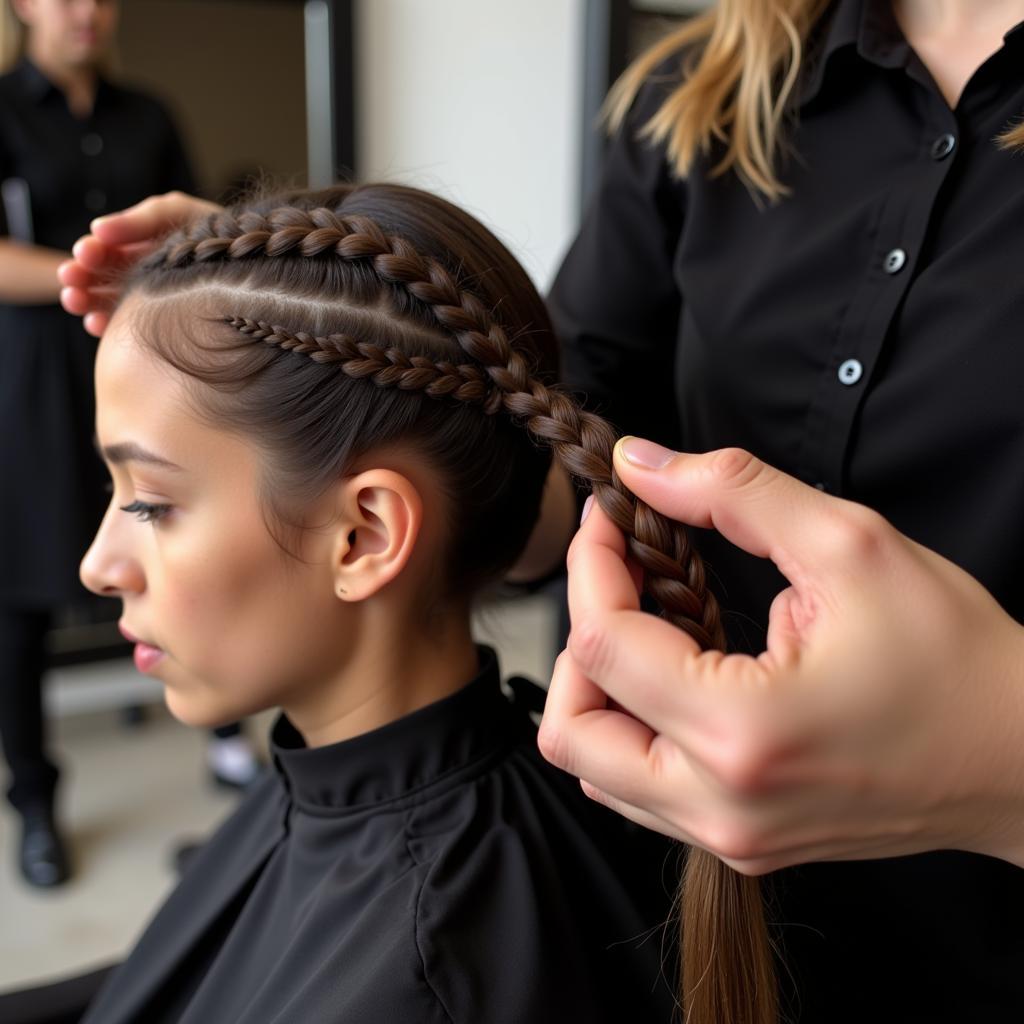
(110,568)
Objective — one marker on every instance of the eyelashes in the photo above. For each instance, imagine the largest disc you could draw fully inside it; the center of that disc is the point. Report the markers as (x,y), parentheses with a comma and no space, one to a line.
(145,512)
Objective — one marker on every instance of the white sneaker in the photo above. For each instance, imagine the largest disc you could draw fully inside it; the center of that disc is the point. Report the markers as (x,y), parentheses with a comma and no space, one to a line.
(232,761)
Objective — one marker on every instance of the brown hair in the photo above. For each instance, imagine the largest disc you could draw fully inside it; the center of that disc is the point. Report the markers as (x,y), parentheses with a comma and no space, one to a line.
(326,324)
(742,62)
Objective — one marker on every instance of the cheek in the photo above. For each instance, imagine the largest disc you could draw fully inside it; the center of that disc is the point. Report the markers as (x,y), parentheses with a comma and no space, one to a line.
(240,618)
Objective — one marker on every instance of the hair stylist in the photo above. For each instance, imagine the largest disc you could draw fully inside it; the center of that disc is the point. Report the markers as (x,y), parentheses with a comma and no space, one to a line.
(819,262)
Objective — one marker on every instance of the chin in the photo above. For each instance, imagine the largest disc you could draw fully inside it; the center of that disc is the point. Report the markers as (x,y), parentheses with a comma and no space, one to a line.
(86,58)
(195,713)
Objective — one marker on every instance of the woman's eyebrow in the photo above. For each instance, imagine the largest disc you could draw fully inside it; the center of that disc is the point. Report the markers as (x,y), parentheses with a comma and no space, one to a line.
(129,451)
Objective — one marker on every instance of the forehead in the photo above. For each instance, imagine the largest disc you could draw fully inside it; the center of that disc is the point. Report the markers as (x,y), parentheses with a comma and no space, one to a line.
(142,399)
(131,382)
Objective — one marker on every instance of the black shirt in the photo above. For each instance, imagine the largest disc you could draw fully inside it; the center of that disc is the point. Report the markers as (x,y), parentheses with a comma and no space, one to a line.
(865,334)
(76,169)
(58,172)
(433,870)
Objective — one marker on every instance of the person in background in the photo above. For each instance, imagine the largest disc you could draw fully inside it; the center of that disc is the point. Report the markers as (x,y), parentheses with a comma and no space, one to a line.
(73,145)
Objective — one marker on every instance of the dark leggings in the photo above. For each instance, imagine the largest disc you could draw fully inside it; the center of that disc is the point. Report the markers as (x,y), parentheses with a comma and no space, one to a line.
(22,722)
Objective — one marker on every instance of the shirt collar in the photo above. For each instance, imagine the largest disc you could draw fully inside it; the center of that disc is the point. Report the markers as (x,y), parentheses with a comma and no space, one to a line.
(34,83)
(404,757)
(871,27)
(37,87)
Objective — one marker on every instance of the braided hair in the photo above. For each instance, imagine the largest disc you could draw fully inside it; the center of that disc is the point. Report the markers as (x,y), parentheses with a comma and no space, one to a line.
(333,322)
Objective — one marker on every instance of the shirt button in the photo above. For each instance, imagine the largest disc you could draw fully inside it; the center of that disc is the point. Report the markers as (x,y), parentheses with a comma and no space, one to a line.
(894,261)
(850,372)
(95,199)
(92,144)
(943,146)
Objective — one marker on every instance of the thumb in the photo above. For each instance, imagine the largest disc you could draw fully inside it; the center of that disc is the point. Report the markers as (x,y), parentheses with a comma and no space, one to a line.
(754,506)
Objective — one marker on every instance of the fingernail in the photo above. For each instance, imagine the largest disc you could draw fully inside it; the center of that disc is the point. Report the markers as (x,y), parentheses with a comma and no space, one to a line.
(645,454)
(587,505)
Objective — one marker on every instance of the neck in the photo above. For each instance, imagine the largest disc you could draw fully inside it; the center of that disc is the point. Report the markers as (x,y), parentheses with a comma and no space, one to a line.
(78,82)
(953,38)
(383,680)
(954,17)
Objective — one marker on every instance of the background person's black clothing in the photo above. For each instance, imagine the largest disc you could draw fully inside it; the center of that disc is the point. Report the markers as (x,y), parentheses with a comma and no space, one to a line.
(53,482)
(74,169)
(80,168)
(22,720)
(865,334)
(433,870)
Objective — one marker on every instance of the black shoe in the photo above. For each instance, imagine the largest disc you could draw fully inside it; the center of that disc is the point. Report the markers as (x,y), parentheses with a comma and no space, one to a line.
(43,859)
(183,855)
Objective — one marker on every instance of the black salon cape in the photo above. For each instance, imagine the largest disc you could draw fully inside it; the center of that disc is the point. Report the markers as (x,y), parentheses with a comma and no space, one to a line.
(865,334)
(434,870)
(70,169)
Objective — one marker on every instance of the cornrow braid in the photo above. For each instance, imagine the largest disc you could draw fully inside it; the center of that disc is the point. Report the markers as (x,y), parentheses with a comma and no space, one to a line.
(581,441)
(727,972)
(387,368)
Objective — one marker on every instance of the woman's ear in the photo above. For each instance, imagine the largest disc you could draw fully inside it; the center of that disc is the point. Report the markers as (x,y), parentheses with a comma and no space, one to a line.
(382,513)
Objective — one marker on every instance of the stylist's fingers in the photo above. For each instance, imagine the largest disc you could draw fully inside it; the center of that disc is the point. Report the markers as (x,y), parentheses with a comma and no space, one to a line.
(95,262)
(640,815)
(582,735)
(753,505)
(73,274)
(570,694)
(652,669)
(606,622)
(150,219)
(600,578)
(80,301)
(96,323)
(626,765)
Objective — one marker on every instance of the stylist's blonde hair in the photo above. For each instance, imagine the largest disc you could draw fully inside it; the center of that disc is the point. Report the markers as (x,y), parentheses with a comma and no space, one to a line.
(742,62)
(11,36)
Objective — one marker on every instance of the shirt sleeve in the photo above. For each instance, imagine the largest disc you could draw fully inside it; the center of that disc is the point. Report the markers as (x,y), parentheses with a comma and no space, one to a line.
(615,303)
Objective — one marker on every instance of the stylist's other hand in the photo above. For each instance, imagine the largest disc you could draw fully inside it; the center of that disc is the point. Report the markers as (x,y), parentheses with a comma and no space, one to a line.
(886,716)
(116,242)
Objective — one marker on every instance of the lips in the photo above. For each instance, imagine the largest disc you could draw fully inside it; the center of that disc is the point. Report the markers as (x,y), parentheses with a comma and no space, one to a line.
(145,656)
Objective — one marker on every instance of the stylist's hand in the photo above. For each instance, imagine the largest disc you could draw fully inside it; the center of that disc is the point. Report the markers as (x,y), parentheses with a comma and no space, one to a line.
(117,241)
(886,716)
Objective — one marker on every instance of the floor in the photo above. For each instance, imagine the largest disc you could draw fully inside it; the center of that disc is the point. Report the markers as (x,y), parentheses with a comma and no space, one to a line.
(132,793)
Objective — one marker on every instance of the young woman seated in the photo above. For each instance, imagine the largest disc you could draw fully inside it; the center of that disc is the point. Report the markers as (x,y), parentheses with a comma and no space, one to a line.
(329,418)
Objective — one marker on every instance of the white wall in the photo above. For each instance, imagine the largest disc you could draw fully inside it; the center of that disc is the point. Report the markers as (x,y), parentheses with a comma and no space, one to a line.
(478,100)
